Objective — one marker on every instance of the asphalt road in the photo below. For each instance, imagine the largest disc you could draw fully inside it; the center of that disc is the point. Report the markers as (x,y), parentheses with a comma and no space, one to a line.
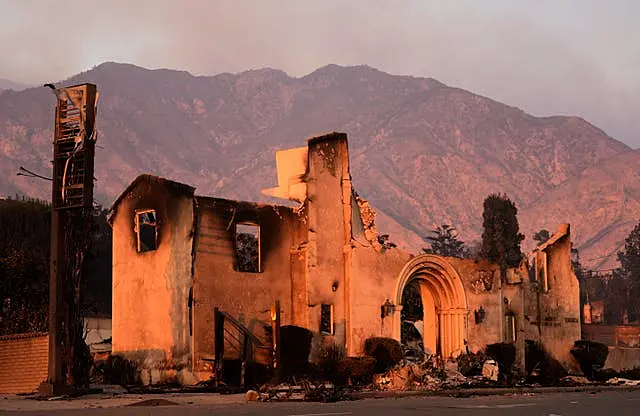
(550,404)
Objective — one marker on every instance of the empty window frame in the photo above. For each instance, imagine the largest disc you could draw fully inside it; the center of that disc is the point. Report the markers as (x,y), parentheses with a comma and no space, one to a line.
(247,240)
(542,263)
(146,230)
(510,327)
(326,320)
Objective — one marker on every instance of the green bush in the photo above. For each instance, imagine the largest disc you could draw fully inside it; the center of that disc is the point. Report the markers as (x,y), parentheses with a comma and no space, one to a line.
(549,370)
(590,355)
(471,364)
(386,351)
(633,374)
(295,349)
(359,370)
(605,374)
(504,354)
(329,363)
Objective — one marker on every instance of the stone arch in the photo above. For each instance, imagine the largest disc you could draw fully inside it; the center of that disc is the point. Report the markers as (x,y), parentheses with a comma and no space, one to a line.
(440,284)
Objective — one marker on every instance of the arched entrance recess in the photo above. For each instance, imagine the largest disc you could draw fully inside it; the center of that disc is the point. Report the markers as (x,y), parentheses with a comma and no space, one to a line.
(444,303)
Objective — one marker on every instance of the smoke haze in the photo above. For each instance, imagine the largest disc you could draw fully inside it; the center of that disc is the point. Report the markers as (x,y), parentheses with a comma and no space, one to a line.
(577,57)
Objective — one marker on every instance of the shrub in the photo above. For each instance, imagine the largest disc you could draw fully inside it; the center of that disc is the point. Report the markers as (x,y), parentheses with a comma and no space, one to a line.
(119,370)
(471,364)
(329,363)
(550,371)
(633,374)
(604,374)
(296,347)
(359,370)
(504,354)
(256,374)
(590,355)
(386,351)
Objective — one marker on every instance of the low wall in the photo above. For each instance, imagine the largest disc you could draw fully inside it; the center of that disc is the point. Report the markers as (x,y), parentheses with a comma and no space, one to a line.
(24,361)
(623,358)
(625,336)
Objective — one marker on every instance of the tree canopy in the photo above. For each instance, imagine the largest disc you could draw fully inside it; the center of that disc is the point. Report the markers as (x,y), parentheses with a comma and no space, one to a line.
(542,236)
(501,237)
(25,239)
(444,242)
(629,270)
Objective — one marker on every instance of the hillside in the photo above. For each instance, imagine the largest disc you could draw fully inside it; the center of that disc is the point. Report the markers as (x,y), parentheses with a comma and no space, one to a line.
(5,84)
(422,152)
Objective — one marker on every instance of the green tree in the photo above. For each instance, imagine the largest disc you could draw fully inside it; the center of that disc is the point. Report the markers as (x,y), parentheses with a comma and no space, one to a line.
(629,270)
(444,242)
(25,238)
(385,243)
(542,236)
(501,237)
(412,302)
(24,265)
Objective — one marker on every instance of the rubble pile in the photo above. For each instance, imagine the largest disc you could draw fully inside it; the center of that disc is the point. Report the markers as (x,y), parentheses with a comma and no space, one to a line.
(301,391)
(431,374)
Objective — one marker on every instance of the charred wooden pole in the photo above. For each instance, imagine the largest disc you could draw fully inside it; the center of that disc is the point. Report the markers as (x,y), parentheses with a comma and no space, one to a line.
(72,205)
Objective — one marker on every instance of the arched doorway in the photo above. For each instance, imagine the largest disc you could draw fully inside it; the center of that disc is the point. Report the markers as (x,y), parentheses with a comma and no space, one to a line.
(444,303)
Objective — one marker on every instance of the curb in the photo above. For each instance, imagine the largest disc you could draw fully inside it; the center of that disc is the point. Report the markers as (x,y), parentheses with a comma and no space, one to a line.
(461,393)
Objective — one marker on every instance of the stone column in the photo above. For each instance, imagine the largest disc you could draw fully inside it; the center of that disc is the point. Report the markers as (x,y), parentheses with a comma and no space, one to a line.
(441,325)
(446,345)
(455,331)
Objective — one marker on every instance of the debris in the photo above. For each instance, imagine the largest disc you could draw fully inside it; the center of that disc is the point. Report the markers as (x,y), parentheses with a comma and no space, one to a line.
(252,396)
(425,376)
(454,377)
(470,364)
(154,403)
(490,370)
(623,381)
(574,380)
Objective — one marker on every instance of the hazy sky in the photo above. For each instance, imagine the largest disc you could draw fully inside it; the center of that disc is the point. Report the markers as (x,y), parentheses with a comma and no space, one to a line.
(577,57)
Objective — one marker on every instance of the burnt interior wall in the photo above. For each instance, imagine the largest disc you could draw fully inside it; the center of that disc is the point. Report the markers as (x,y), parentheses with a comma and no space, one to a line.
(248,297)
(150,290)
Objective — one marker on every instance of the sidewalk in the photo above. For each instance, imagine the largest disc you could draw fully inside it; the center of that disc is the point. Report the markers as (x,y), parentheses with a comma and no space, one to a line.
(114,396)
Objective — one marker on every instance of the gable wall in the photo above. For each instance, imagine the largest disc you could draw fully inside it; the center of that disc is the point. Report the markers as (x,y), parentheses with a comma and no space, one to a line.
(150,320)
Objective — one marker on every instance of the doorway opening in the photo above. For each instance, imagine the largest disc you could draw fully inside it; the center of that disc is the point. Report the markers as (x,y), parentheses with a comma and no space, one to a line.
(434,307)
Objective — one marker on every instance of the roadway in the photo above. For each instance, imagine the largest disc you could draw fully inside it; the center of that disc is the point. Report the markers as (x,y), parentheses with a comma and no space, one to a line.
(617,403)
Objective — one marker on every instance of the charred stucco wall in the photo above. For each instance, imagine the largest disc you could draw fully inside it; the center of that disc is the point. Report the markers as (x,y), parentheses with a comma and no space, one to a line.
(329,210)
(374,277)
(151,289)
(555,313)
(483,288)
(248,297)
(550,318)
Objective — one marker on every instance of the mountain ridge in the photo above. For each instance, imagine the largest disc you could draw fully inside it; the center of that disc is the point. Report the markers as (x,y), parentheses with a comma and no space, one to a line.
(422,152)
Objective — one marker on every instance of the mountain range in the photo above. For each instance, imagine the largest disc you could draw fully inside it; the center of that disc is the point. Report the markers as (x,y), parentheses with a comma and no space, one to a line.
(5,84)
(423,153)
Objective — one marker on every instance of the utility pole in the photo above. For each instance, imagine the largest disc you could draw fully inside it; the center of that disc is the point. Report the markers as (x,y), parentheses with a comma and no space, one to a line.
(72,205)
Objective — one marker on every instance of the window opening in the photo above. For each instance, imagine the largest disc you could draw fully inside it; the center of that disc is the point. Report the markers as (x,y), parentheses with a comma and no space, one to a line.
(510,327)
(146,230)
(248,247)
(326,320)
